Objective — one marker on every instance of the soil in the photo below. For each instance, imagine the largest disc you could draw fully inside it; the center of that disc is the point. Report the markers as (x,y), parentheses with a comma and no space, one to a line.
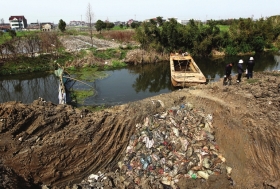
(58,145)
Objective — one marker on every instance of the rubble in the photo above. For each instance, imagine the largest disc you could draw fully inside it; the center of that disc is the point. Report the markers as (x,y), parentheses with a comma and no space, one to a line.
(178,143)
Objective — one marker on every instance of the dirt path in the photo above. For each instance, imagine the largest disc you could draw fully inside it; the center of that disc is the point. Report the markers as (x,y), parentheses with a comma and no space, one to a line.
(57,145)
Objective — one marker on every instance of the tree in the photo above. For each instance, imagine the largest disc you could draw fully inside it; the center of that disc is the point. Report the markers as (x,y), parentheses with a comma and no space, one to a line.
(110,25)
(61,25)
(159,21)
(99,25)
(90,16)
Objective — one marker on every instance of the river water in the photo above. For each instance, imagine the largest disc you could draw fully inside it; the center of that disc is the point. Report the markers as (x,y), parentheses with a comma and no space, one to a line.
(122,85)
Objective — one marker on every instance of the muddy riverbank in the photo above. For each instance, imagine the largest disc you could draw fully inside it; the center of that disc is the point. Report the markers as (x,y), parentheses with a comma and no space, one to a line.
(57,145)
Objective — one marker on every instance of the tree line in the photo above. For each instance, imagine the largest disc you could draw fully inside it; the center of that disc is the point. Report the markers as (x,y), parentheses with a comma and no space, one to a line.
(243,35)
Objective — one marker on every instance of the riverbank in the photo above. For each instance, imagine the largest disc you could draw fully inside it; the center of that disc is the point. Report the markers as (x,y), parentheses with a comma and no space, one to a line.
(58,145)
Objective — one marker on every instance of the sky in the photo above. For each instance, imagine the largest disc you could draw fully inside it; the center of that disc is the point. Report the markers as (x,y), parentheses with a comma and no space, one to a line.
(124,10)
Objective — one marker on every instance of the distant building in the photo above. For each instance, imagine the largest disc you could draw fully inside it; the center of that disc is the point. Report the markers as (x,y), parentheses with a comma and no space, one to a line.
(46,26)
(17,22)
(129,22)
(77,23)
(117,23)
(183,22)
(4,26)
(33,26)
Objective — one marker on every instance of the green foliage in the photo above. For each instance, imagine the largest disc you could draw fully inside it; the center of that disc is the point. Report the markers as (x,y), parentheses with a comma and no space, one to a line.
(88,73)
(258,43)
(118,64)
(27,65)
(81,95)
(109,25)
(110,54)
(159,21)
(134,25)
(5,37)
(230,50)
(12,33)
(61,25)
(242,35)
(99,25)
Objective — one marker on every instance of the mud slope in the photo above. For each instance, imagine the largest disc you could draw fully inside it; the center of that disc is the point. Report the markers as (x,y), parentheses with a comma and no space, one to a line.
(58,145)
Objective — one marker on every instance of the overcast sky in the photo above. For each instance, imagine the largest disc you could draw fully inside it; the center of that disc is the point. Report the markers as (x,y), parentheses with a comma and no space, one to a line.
(123,10)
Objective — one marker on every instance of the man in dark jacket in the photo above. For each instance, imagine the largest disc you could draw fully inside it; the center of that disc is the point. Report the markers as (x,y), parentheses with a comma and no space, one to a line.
(227,77)
(250,66)
(239,70)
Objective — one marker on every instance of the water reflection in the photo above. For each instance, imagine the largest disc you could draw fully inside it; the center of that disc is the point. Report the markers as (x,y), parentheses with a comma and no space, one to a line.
(29,87)
(131,84)
(152,77)
(123,85)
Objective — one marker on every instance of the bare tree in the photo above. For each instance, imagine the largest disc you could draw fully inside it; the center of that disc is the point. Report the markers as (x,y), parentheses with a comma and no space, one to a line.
(2,21)
(89,17)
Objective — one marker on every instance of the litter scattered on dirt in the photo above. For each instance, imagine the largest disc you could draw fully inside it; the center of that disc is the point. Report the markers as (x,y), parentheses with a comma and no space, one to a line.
(230,133)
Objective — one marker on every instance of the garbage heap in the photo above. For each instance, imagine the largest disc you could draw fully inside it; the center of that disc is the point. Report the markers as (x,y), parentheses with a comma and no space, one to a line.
(178,143)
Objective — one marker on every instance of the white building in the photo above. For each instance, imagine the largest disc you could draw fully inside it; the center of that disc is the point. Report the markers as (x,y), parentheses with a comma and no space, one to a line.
(17,22)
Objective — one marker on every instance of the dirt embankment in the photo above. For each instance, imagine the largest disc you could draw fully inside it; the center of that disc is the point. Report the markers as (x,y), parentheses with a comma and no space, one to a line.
(57,145)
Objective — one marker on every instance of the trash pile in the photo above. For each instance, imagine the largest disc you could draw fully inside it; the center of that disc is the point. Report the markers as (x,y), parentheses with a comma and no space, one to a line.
(178,143)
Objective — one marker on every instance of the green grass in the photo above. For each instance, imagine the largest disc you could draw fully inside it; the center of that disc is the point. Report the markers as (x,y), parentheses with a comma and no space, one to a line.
(223,28)
(89,74)
(81,95)
(110,53)
(5,37)
(119,28)
(27,65)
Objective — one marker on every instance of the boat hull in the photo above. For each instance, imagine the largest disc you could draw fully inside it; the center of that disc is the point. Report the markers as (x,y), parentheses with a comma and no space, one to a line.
(184,71)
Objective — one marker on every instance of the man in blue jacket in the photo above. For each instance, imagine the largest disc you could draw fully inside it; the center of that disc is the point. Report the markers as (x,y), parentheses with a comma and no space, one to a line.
(240,70)
(250,66)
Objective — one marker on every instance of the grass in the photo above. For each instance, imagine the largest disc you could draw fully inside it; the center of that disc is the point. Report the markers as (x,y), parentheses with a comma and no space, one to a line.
(27,65)
(4,37)
(81,95)
(110,53)
(89,74)
(223,28)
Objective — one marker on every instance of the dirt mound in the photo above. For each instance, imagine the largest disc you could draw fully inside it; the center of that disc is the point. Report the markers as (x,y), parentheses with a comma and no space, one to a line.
(57,145)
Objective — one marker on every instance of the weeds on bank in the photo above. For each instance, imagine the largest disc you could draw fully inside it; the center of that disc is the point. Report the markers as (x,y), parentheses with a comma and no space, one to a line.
(79,96)
(109,54)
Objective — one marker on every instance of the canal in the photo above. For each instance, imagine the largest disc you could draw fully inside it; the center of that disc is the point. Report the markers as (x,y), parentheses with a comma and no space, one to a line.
(122,85)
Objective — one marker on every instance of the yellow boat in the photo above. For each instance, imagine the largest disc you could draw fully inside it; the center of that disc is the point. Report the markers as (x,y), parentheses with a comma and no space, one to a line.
(184,71)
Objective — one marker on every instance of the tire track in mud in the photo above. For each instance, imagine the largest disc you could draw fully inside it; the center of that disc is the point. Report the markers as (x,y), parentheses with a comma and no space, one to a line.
(64,145)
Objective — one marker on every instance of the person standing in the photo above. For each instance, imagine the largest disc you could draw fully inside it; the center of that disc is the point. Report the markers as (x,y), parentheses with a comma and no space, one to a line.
(239,70)
(250,67)
(227,77)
